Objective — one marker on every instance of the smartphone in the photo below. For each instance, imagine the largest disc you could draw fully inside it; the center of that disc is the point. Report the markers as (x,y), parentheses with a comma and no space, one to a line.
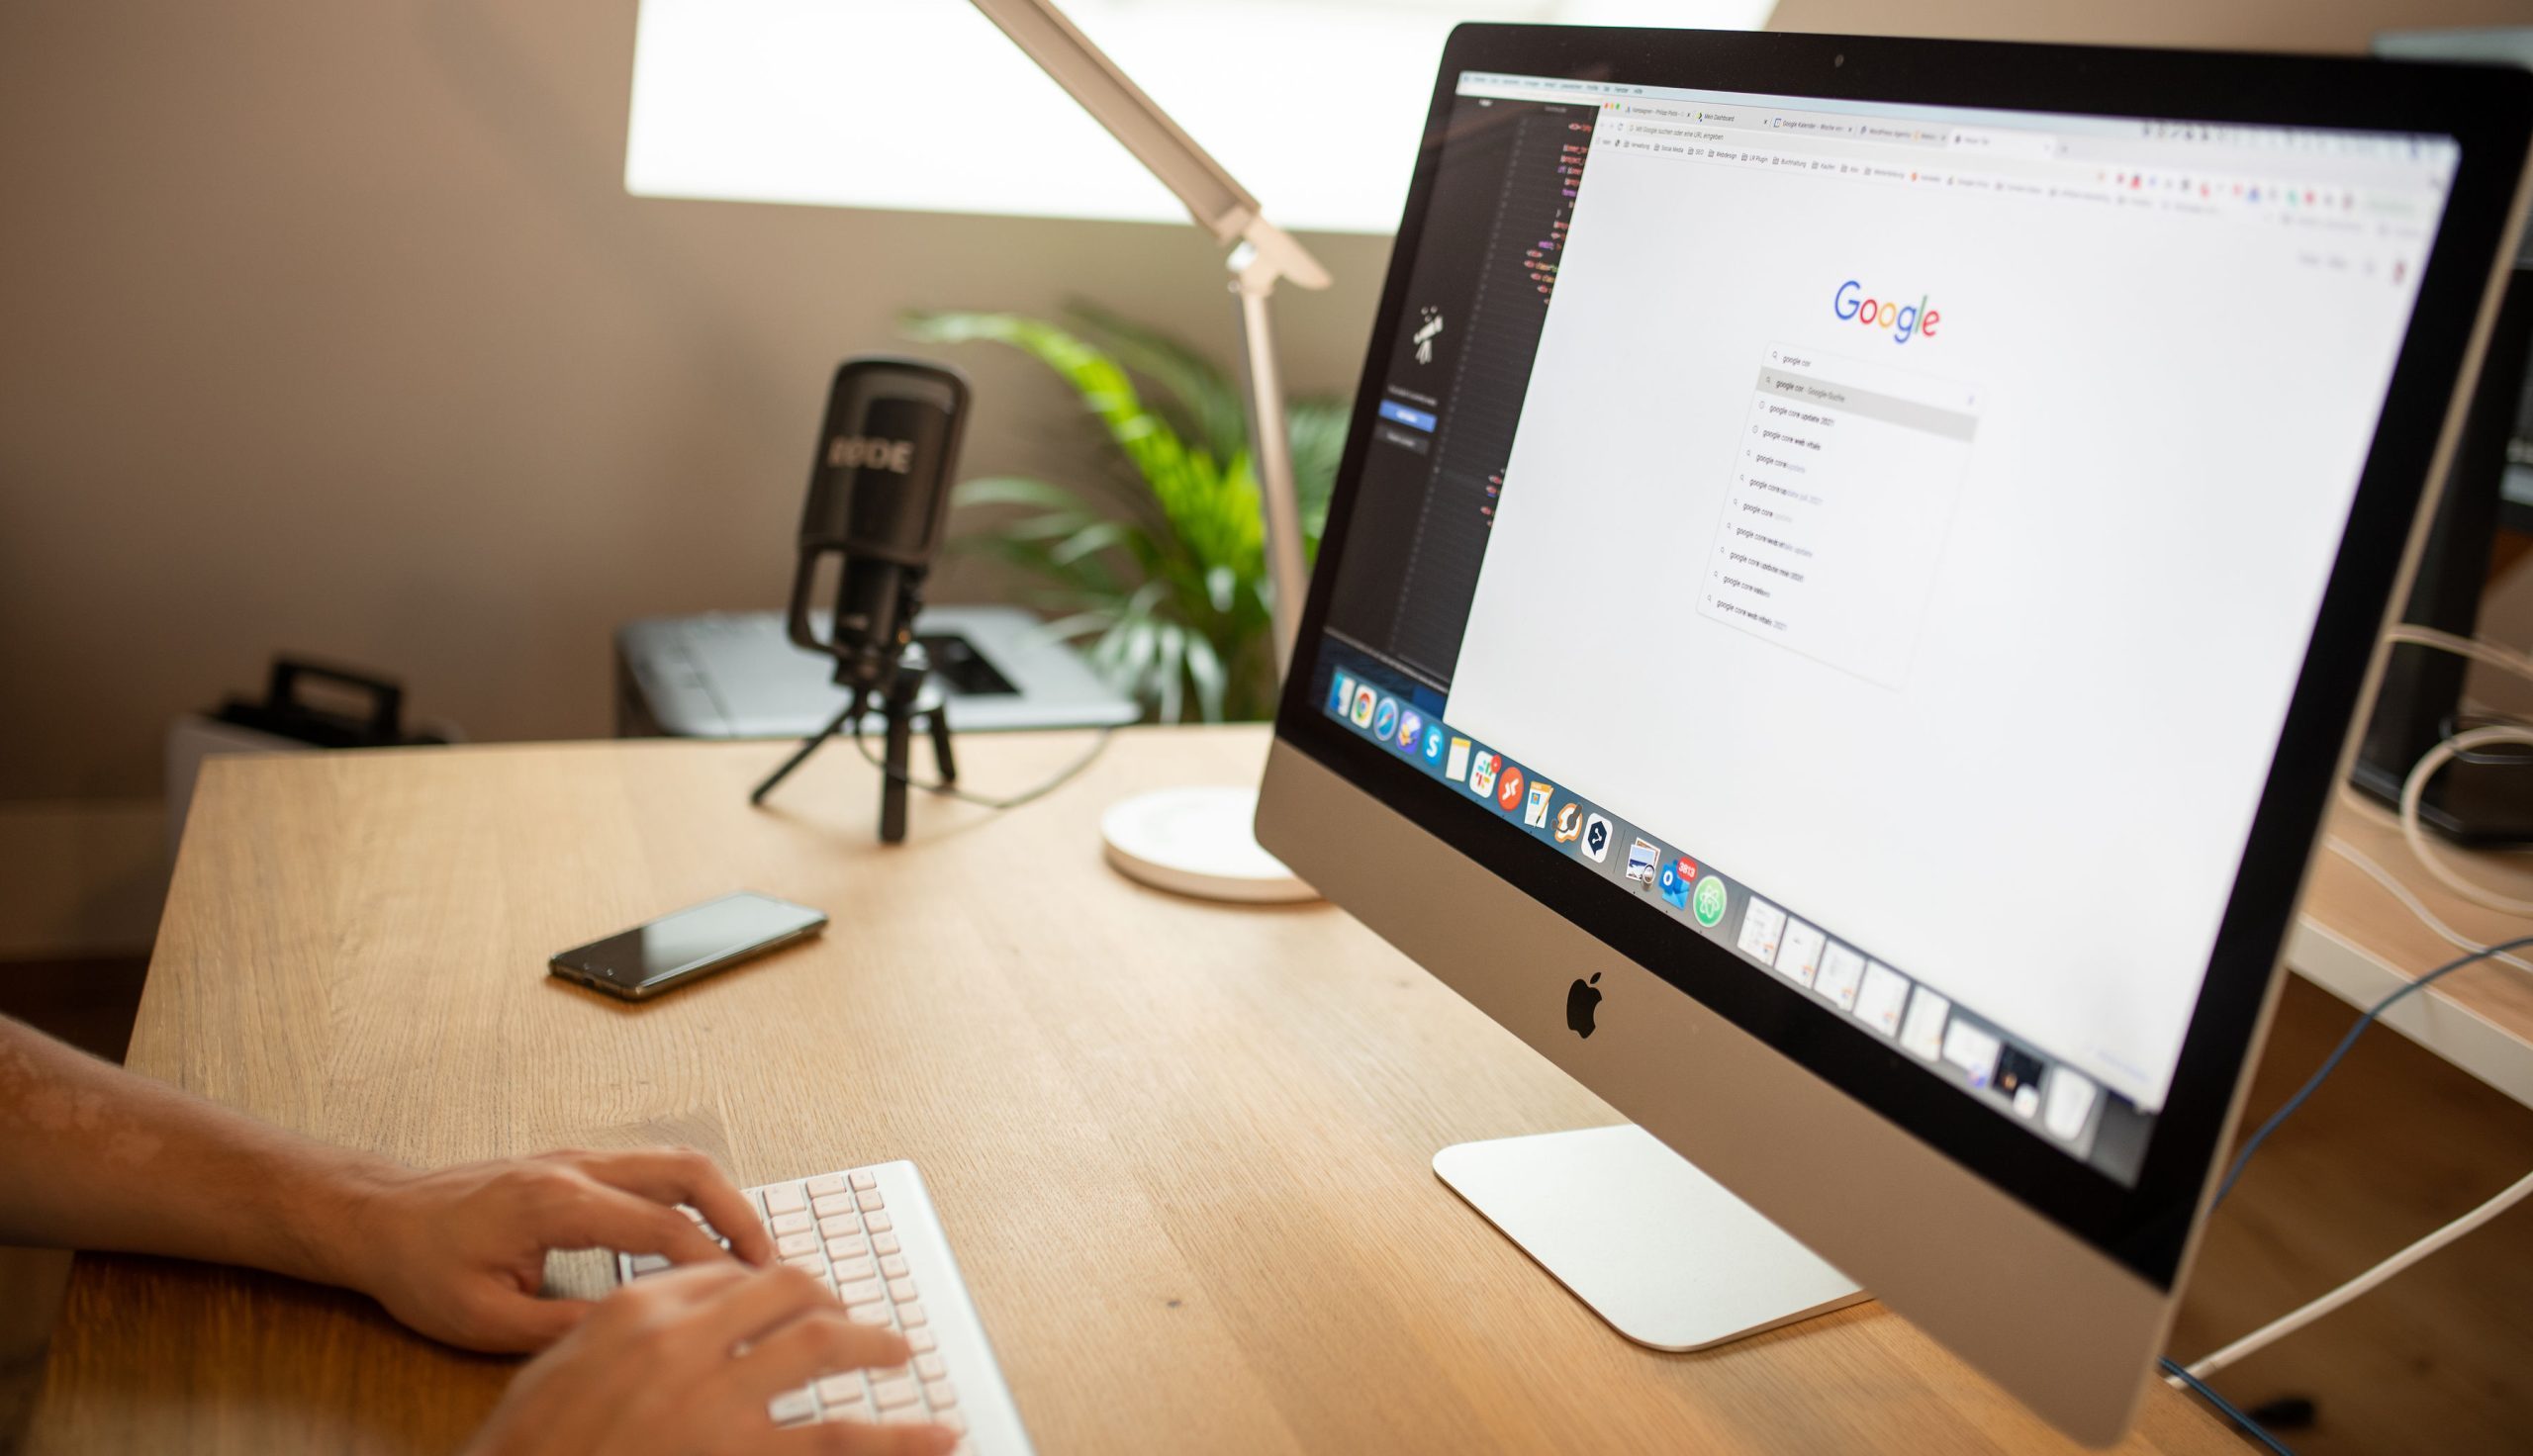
(693,942)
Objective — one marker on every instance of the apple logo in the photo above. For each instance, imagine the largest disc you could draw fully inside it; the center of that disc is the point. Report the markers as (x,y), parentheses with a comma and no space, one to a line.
(1580,1001)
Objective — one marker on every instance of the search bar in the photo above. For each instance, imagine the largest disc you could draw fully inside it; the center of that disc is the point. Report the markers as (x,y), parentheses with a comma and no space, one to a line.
(2002,143)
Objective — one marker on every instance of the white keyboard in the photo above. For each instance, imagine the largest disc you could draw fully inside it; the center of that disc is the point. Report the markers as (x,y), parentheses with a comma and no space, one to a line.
(871,1235)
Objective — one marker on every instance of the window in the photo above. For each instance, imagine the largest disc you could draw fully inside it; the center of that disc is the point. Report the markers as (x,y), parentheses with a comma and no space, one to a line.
(1314,105)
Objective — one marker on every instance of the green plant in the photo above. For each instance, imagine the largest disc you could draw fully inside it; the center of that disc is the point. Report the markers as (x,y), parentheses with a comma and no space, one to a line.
(1161,571)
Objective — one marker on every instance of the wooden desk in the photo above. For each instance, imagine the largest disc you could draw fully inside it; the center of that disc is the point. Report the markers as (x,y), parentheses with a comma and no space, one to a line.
(1181,1150)
(2356,939)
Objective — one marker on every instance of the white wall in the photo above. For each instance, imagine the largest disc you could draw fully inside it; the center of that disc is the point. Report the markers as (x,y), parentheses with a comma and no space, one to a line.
(330,326)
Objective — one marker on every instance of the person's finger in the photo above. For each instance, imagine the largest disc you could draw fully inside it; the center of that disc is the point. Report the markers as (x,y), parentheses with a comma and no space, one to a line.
(683,1175)
(819,1342)
(761,1303)
(685,1286)
(516,1323)
(861,1438)
(588,1214)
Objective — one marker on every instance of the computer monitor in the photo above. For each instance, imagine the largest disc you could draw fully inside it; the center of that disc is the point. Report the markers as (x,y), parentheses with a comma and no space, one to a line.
(1840,614)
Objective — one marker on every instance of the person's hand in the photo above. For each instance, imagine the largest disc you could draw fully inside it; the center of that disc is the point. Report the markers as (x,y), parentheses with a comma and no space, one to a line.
(459,1254)
(683,1364)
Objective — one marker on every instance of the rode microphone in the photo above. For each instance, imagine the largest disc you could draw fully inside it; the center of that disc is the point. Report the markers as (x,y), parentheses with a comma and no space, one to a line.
(879,500)
(879,497)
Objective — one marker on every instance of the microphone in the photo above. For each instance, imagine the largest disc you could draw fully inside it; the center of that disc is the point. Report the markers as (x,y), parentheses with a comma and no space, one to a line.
(879,500)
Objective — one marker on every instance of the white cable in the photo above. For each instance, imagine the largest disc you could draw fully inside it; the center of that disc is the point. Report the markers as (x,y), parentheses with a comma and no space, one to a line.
(2392,884)
(2417,836)
(2413,788)
(2504,659)
(2295,1319)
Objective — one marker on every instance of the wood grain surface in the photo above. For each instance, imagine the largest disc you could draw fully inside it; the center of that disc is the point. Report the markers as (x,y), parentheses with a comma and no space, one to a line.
(1181,1150)
(2342,898)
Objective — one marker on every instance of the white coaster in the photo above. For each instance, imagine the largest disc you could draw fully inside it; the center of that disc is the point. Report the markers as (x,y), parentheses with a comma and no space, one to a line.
(1199,842)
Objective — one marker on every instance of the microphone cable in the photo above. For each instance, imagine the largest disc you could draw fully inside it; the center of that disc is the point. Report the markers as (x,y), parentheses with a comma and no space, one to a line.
(1045,787)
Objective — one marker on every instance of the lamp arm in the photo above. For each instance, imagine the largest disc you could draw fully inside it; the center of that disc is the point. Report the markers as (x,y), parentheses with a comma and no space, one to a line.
(1265,255)
(1048,36)
(1252,283)
(1268,254)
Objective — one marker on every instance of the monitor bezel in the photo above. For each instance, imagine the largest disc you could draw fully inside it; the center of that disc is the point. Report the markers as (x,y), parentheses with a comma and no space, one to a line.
(2145,1227)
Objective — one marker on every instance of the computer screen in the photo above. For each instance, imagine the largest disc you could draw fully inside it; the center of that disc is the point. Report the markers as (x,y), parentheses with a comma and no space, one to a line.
(1881,539)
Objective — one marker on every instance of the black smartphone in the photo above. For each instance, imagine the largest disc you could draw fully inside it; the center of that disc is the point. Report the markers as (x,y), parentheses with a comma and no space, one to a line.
(694,942)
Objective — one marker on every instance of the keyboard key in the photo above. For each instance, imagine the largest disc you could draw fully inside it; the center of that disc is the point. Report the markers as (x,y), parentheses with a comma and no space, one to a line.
(792,1408)
(840,1390)
(893,1392)
(839,1227)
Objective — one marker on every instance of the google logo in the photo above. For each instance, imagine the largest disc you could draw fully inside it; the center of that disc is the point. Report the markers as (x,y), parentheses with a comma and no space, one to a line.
(1902,320)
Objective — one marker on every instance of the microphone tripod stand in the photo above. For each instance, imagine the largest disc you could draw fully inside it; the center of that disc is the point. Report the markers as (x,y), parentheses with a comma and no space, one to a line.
(906,696)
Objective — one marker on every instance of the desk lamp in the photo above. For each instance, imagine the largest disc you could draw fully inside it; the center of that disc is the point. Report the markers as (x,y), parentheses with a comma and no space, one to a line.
(1197,840)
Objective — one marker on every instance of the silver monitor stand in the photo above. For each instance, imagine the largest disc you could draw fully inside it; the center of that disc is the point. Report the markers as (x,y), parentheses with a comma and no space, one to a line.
(1660,1250)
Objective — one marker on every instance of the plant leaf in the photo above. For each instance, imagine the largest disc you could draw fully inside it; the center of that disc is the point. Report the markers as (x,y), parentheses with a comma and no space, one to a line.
(1099,535)
(1205,670)
(1169,584)
(1199,396)
(1009,490)
(1169,671)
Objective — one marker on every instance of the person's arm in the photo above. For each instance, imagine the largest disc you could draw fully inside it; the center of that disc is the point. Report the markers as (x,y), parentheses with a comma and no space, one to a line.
(94,1158)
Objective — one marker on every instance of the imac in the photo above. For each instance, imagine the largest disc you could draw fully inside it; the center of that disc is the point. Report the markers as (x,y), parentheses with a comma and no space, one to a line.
(1844,601)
